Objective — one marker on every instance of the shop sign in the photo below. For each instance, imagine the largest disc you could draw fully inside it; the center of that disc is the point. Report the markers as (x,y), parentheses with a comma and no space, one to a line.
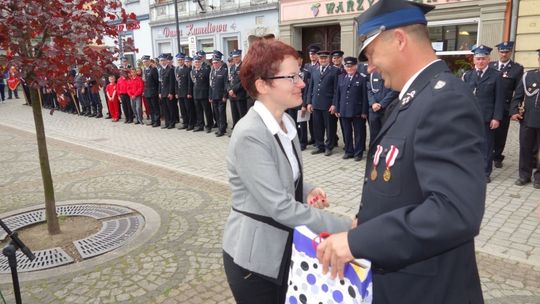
(128,27)
(310,9)
(194,30)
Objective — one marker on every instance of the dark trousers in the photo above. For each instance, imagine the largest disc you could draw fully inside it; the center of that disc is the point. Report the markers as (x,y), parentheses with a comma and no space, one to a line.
(183,110)
(332,128)
(321,125)
(249,288)
(488,152)
(529,143)
(13,93)
(3,91)
(153,103)
(238,109)
(95,103)
(166,114)
(375,124)
(354,135)
(172,107)
(83,104)
(203,109)
(500,137)
(126,107)
(191,115)
(301,136)
(220,114)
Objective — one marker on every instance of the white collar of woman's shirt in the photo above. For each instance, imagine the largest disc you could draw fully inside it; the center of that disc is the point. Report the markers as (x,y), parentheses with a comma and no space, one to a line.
(271,123)
(413,78)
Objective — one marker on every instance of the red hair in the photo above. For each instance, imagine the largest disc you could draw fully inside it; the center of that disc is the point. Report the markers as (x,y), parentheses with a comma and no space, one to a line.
(262,61)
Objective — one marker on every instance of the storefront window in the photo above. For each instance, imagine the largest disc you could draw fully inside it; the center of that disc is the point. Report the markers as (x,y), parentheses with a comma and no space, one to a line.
(229,44)
(164,47)
(453,37)
(206,45)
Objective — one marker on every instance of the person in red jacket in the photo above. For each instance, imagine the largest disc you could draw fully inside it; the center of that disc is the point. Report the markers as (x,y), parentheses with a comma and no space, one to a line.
(135,89)
(112,98)
(121,89)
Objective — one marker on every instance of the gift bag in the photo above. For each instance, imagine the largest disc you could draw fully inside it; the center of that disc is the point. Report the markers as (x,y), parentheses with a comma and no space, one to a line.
(307,284)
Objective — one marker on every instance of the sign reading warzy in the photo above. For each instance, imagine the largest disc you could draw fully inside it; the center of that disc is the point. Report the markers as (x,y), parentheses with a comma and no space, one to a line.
(294,10)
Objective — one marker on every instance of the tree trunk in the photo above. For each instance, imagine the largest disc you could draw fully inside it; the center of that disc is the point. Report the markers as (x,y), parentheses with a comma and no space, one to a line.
(50,203)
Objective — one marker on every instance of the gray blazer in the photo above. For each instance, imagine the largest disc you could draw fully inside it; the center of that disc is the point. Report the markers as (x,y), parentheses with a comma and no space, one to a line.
(262,183)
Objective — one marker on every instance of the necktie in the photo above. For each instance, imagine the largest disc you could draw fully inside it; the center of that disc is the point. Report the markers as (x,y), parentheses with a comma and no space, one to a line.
(322,70)
(501,66)
(479,73)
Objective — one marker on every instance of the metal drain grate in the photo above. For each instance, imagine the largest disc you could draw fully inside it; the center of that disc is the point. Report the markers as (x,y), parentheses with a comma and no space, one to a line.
(113,234)
(22,220)
(45,259)
(96,211)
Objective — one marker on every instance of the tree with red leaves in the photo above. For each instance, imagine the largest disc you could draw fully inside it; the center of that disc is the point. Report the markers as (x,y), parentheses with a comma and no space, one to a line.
(44,40)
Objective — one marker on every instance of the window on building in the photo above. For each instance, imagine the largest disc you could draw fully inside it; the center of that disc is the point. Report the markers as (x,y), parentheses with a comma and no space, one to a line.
(259,20)
(206,45)
(229,44)
(164,47)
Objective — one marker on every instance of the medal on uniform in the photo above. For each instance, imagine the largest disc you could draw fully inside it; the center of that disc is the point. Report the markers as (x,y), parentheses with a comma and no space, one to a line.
(391,157)
(376,162)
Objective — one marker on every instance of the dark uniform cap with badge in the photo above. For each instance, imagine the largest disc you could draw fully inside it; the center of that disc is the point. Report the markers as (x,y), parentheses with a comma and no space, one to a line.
(337,53)
(162,57)
(323,53)
(481,51)
(505,46)
(386,15)
(237,53)
(180,56)
(145,57)
(313,49)
(197,58)
(350,61)
(188,59)
(217,56)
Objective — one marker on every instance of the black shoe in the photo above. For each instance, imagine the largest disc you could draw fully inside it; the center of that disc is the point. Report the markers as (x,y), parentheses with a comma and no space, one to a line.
(208,130)
(219,134)
(318,151)
(108,117)
(358,158)
(126,121)
(137,123)
(311,142)
(488,179)
(198,130)
(302,147)
(92,115)
(170,127)
(155,125)
(165,127)
(189,128)
(150,124)
(347,156)
(99,116)
(522,181)
(327,152)
(498,164)
(536,185)
(182,127)
(216,132)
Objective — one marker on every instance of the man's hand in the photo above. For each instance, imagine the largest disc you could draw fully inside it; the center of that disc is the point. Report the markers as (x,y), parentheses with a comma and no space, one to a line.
(516,117)
(317,198)
(231,93)
(159,95)
(170,96)
(334,253)
(364,116)
(310,108)
(332,109)
(189,96)
(376,107)
(494,124)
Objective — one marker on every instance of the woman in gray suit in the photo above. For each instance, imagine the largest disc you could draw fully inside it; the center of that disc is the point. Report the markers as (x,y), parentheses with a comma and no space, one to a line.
(265,173)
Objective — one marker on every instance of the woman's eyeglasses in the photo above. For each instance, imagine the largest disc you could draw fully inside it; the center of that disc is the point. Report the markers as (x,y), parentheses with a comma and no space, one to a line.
(293,78)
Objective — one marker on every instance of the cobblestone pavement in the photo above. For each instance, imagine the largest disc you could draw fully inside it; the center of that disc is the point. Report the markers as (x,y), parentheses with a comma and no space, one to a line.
(182,176)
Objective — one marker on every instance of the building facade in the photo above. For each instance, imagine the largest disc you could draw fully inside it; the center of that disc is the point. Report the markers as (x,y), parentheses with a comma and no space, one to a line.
(454,26)
(528,33)
(224,25)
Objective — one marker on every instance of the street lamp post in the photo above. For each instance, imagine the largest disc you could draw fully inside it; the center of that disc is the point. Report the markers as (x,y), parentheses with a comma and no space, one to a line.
(177,26)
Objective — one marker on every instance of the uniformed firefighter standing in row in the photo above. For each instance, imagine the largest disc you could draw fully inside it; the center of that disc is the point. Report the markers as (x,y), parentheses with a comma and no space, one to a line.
(219,84)
(167,91)
(485,83)
(351,105)
(511,73)
(525,108)
(200,78)
(379,98)
(237,93)
(319,101)
(307,70)
(183,93)
(151,90)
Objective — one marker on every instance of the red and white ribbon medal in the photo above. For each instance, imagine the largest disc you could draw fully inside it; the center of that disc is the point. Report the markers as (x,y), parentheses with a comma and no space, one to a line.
(376,162)
(390,160)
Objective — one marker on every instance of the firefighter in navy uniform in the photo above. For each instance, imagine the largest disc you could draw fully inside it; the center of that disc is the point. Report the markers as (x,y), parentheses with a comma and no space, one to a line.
(379,98)
(167,89)
(319,101)
(486,85)
(201,84)
(237,93)
(337,61)
(511,73)
(351,104)
(308,66)
(181,73)
(525,108)
(151,90)
(219,83)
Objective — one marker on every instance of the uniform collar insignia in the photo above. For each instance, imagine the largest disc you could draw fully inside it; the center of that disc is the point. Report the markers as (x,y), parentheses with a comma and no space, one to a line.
(439,85)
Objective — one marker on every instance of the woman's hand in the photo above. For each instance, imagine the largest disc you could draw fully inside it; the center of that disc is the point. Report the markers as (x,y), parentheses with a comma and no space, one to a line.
(317,198)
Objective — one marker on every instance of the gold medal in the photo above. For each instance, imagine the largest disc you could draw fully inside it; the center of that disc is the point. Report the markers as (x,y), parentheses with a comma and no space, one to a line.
(374,174)
(387,174)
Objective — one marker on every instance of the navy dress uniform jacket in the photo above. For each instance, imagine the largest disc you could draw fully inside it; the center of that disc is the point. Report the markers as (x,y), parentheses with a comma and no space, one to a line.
(201,83)
(418,228)
(168,82)
(351,96)
(219,83)
(489,92)
(377,93)
(528,91)
(151,82)
(182,74)
(235,84)
(511,76)
(322,87)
